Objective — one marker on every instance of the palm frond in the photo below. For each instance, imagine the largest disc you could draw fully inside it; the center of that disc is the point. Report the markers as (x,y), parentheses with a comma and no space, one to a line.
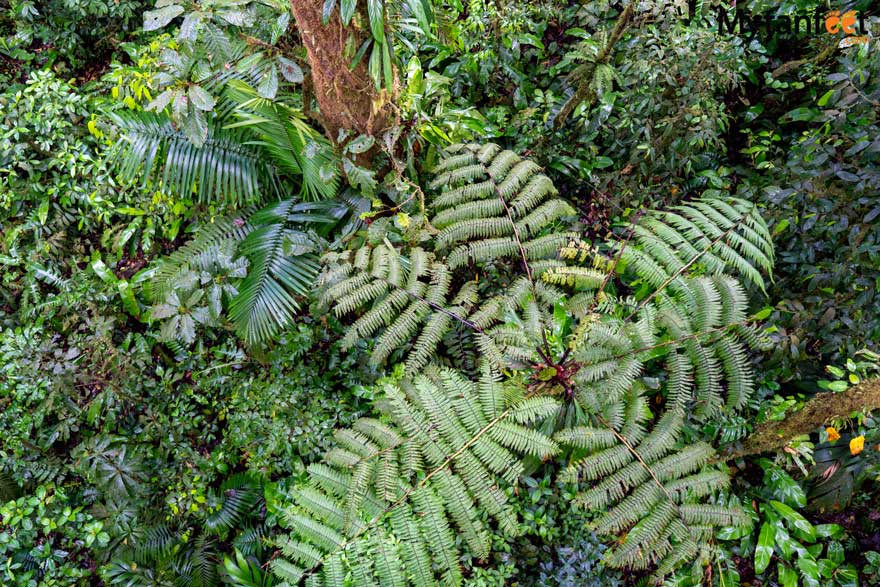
(282,249)
(282,132)
(226,169)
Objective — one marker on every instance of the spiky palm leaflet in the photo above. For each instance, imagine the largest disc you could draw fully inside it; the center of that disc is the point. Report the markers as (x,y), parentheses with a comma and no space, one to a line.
(256,149)
(282,243)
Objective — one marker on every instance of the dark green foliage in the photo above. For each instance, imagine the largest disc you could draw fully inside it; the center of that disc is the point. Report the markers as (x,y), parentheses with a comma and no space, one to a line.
(818,181)
(148,436)
(43,31)
(45,538)
(257,265)
(578,565)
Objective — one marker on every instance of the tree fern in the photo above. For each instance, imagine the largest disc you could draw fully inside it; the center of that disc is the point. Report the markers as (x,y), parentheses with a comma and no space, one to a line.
(496,206)
(583,322)
(647,487)
(691,311)
(387,504)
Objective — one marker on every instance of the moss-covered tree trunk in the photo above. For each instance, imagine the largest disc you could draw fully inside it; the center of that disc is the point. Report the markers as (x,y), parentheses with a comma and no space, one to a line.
(818,411)
(347,98)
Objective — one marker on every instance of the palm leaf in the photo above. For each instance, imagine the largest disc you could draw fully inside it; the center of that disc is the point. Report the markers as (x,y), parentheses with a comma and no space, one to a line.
(226,169)
(283,266)
(293,145)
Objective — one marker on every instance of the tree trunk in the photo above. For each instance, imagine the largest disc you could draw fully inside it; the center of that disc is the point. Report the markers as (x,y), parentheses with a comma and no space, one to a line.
(820,409)
(347,98)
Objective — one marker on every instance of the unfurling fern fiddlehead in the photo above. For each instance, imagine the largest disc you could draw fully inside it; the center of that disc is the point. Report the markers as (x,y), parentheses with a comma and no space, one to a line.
(664,299)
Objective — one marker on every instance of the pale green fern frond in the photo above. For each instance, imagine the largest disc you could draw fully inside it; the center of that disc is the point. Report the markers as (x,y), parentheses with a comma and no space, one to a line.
(376,516)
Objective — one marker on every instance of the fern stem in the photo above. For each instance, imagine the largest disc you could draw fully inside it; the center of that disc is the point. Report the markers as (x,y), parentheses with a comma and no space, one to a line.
(545,352)
(614,264)
(642,462)
(433,305)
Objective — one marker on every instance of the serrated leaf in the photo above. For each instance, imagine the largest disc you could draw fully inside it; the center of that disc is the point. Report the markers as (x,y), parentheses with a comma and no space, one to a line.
(269,83)
(189,27)
(200,98)
(290,70)
(195,126)
(156,19)
(161,101)
(179,106)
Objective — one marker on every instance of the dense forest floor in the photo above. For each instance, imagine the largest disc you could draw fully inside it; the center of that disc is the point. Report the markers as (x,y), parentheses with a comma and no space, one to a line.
(403,292)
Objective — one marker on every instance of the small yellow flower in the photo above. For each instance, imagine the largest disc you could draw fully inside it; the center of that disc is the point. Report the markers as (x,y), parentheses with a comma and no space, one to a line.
(857,445)
(832,433)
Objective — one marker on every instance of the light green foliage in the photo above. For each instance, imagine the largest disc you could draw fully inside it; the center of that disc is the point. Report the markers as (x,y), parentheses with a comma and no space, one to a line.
(388,501)
(649,483)
(494,207)
(51,181)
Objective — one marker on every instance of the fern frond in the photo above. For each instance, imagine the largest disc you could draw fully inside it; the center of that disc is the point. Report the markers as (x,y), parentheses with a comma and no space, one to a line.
(711,233)
(342,522)
(648,489)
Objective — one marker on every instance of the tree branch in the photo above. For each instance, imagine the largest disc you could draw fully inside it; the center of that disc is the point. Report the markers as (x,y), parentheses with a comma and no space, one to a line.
(819,410)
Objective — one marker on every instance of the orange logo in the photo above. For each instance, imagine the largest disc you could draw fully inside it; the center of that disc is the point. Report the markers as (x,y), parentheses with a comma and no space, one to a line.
(846,24)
